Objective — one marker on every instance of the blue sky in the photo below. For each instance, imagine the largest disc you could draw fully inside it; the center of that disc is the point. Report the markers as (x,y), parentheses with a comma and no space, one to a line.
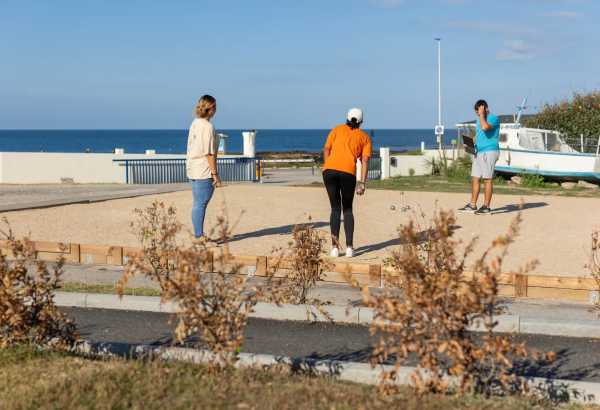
(286,64)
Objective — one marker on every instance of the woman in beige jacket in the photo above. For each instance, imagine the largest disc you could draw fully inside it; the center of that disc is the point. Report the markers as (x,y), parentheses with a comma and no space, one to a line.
(201,161)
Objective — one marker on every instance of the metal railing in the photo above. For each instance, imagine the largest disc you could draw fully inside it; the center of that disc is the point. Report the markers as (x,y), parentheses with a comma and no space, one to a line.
(170,171)
(584,144)
(290,161)
(374,171)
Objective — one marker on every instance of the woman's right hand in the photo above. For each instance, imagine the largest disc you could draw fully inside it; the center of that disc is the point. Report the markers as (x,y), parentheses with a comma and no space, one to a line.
(360,188)
(216,181)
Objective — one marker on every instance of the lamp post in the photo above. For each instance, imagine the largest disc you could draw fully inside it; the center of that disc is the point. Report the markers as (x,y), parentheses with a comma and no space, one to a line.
(439,129)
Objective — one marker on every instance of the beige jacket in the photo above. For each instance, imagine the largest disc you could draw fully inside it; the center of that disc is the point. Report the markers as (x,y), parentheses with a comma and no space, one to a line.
(202,141)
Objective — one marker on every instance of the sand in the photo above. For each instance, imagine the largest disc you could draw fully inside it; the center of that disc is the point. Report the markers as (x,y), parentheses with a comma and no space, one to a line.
(556,230)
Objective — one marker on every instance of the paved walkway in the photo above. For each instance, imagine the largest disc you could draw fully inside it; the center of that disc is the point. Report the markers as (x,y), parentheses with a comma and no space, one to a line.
(34,196)
(292,176)
(22,197)
(533,311)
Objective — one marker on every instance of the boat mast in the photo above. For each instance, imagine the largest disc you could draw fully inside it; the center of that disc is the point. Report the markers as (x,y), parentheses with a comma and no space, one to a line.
(520,110)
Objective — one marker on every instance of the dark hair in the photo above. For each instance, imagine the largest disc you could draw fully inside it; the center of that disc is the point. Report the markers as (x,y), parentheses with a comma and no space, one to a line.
(353,123)
(479,103)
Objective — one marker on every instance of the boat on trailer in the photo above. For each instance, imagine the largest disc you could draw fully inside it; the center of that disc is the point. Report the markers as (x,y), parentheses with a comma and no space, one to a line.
(542,152)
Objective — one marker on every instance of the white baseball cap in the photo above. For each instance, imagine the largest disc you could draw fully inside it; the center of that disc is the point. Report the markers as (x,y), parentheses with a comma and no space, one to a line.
(355,113)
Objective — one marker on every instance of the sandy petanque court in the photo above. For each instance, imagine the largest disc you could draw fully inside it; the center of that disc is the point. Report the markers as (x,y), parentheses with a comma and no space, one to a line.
(556,230)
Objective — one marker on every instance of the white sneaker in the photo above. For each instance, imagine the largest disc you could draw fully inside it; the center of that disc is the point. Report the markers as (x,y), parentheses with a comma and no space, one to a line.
(349,252)
(335,252)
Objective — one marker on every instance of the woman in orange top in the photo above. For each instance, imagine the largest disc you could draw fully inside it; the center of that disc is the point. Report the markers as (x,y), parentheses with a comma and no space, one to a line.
(345,144)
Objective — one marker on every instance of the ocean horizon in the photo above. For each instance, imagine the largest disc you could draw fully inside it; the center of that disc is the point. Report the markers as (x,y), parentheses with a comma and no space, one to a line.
(173,141)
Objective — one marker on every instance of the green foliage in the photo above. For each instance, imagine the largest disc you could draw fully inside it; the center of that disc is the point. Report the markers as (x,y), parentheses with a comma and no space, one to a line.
(435,164)
(411,172)
(532,181)
(580,115)
(416,152)
(460,168)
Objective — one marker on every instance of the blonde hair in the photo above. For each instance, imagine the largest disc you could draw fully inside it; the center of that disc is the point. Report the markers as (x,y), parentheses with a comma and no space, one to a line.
(205,107)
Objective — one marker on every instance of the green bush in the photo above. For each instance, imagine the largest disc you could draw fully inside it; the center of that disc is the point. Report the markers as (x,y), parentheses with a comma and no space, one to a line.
(460,168)
(579,115)
(532,180)
(457,169)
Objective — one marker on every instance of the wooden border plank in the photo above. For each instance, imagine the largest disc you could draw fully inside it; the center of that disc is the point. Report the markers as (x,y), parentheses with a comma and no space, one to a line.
(506,290)
(51,247)
(95,254)
(75,253)
(48,256)
(577,295)
(564,282)
(115,256)
(349,267)
(375,277)
(520,285)
(262,266)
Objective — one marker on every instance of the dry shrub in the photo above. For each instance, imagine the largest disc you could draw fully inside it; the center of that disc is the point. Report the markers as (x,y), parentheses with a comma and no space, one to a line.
(212,301)
(594,265)
(304,266)
(306,260)
(428,306)
(28,314)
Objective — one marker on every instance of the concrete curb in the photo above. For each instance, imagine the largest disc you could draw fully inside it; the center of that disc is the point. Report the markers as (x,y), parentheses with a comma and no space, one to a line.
(363,373)
(339,314)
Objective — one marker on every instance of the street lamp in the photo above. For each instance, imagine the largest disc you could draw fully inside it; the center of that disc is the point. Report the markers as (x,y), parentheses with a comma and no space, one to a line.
(439,128)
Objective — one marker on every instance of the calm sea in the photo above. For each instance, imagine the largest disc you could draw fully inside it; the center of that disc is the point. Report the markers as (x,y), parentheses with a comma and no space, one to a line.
(174,141)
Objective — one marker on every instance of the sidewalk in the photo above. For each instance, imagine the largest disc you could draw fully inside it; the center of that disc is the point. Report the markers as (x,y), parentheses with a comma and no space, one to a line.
(543,317)
(22,197)
(36,196)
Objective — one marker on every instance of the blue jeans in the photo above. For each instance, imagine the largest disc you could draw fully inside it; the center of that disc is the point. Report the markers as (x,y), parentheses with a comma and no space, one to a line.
(202,192)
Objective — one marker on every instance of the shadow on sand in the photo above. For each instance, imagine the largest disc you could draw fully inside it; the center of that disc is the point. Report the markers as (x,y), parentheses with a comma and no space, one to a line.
(519,207)
(394,242)
(279,230)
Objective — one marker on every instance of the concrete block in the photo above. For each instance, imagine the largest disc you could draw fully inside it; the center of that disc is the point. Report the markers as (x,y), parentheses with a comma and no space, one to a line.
(137,303)
(570,328)
(68,299)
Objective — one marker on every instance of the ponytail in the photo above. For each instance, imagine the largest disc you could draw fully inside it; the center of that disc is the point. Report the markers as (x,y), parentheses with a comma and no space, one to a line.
(353,123)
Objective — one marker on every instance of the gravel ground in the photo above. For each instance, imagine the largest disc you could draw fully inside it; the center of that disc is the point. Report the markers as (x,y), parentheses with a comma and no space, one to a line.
(556,230)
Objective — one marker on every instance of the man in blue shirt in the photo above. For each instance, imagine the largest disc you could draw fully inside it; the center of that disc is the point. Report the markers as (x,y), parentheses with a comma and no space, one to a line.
(487,152)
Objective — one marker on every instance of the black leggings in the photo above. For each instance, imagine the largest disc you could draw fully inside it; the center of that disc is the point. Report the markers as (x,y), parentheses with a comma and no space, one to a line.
(340,189)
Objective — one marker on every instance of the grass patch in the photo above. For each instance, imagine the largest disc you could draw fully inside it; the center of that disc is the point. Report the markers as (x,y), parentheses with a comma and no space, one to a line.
(106,289)
(415,152)
(532,181)
(453,183)
(42,380)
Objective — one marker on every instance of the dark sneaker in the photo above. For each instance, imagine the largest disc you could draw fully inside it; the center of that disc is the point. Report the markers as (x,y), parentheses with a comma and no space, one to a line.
(468,208)
(484,210)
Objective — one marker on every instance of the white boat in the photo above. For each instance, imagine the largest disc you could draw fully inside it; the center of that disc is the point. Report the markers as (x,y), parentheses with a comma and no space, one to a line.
(543,152)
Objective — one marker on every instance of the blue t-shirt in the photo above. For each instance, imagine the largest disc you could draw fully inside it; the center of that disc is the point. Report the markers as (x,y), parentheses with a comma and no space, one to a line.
(488,140)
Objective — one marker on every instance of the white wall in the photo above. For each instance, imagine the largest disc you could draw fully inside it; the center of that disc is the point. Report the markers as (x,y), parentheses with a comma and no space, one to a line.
(51,168)
(402,164)
(419,163)
(45,167)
